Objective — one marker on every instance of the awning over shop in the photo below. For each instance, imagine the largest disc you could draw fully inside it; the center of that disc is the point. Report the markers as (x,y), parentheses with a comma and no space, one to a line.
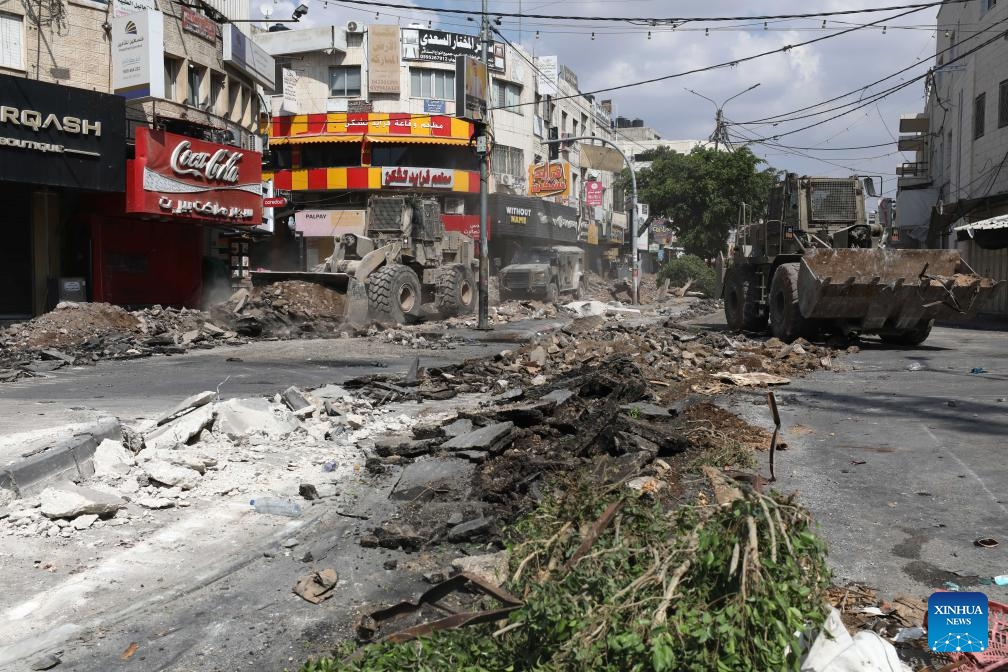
(416,139)
(354,126)
(989,234)
(601,158)
(310,139)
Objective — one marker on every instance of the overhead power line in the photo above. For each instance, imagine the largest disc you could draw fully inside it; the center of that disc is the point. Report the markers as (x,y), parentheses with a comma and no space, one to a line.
(652,20)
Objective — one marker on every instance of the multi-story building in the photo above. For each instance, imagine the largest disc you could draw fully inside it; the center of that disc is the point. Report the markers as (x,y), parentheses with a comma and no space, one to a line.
(955,191)
(96,98)
(364,110)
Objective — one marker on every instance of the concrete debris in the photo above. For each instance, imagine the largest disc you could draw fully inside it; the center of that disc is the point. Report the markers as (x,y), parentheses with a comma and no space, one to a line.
(46,662)
(66,500)
(194,460)
(188,404)
(756,378)
(425,478)
(112,460)
(237,418)
(85,521)
(458,427)
(317,491)
(491,567)
(317,587)
(297,402)
(167,474)
(181,430)
(155,503)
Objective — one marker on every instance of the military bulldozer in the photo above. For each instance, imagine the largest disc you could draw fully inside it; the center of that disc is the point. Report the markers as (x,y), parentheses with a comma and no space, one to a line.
(405,259)
(816,265)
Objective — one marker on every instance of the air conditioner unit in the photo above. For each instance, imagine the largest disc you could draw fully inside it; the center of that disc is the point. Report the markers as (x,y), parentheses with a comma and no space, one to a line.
(507,180)
(353,27)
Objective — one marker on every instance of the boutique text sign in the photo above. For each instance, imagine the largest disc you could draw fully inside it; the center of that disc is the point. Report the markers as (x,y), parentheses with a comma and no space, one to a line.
(181,177)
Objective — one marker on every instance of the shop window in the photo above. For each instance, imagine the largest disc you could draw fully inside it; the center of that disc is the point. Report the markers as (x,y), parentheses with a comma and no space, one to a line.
(1003,104)
(345,81)
(11,41)
(506,95)
(979,105)
(171,72)
(434,84)
(194,86)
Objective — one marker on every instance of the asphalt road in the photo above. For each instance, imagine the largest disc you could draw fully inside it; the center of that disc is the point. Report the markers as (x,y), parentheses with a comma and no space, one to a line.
(902,469)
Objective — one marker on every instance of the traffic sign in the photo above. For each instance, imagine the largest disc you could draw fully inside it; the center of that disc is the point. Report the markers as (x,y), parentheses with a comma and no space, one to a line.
(274,202)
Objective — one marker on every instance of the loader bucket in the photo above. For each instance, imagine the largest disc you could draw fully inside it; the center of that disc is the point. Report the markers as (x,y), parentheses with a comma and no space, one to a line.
(889,289)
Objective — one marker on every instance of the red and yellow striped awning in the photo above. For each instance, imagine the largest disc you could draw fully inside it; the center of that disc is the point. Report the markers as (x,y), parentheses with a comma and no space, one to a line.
(388,127)
(356,178)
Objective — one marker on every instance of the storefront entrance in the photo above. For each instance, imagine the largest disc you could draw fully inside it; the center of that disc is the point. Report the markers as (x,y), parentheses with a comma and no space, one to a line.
(15,255)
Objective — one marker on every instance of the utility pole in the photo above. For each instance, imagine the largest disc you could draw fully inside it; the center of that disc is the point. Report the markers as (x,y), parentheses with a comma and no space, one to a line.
(481,130)
(720,135)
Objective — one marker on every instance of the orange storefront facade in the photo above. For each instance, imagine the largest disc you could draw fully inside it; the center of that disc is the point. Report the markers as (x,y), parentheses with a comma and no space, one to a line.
(378,152)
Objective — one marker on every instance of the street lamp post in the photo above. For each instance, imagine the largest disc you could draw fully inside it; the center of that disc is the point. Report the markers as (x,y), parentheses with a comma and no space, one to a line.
(720,133)
(633,202)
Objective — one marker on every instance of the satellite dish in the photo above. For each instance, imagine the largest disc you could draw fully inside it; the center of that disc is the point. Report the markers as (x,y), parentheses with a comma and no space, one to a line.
(266,11)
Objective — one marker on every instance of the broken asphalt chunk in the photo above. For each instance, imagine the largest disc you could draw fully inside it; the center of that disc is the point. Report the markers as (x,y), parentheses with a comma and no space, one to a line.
(493,438)
(471,529)
(297,402)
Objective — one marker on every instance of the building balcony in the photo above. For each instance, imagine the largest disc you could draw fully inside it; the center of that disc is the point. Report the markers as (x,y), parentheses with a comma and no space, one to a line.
(913,143)
(914,123)
(915,169)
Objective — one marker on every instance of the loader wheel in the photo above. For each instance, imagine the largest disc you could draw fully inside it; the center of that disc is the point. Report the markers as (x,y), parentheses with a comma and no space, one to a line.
(914,336)
(456,292)
(786,321)
(394,294)
(741,300)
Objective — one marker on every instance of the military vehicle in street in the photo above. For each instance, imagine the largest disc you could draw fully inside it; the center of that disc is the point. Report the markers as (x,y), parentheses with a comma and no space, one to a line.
(405,259)
(815,264)
(545,273)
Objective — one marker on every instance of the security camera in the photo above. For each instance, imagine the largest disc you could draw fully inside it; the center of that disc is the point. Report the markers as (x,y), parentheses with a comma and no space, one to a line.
(300,11)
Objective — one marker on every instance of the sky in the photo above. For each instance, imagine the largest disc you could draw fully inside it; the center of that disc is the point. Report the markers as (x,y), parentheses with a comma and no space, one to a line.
(622,53)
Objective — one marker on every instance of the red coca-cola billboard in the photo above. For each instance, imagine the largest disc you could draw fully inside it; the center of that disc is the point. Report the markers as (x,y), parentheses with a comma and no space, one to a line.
(175,176)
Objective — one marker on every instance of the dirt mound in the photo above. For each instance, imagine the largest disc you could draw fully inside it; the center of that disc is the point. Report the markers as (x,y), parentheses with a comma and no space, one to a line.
(287,309)
(71,324)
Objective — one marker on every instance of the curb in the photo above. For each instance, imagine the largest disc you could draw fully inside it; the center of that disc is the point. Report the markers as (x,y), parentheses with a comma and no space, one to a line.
(65,459)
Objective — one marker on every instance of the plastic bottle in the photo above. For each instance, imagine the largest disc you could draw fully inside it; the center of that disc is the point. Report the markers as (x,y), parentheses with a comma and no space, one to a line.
(277,506)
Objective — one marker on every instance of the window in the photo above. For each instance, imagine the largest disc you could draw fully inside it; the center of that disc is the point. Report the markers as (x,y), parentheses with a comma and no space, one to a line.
(345,81)
(171,71)
(194,84)
(216,91)
(978,115)
(506,95)
(1003,104)
(988,4)
(506,160)
(11,41)
(435,84)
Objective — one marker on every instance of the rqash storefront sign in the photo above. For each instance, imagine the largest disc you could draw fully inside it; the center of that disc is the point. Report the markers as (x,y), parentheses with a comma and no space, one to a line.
(180,177)
(61,136)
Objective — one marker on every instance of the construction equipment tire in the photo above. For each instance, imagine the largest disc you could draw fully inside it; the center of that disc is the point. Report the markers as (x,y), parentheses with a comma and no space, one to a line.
(552,292)
(786,321)
(394,294)
(914,336)
(741,300)
(456,291)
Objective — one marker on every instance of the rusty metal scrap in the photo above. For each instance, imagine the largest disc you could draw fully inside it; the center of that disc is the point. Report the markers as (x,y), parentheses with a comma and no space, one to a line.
(371,623)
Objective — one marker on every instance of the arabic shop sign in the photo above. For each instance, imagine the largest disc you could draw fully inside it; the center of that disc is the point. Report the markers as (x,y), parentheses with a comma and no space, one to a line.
(549,179)
(193,179)
(405,125)
(432,178)
(442,47)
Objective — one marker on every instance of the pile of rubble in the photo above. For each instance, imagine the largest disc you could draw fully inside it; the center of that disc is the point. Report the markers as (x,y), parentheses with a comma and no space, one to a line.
(205,449)
(83,333)
(288,309)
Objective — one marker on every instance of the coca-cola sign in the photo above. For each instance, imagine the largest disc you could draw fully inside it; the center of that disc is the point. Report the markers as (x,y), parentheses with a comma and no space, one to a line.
(221,166)
(178,177)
